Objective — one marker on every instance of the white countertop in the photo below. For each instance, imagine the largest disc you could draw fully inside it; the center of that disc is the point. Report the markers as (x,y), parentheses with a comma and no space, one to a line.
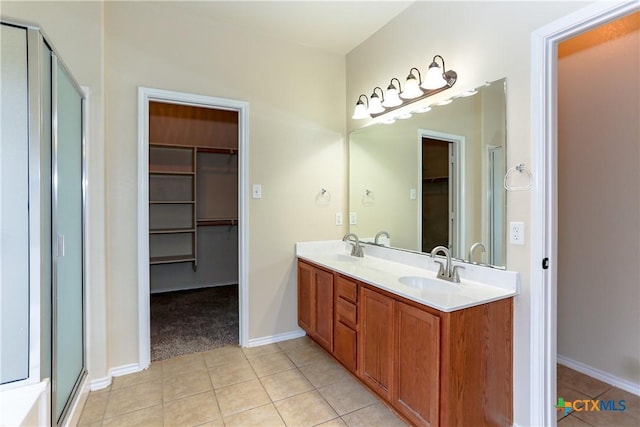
(383,268)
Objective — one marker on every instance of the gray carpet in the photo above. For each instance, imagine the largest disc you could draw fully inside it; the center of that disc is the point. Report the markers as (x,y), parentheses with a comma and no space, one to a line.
(192,321)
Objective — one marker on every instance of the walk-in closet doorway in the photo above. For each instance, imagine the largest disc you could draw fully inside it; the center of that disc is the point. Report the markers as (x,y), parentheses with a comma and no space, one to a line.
(191,223)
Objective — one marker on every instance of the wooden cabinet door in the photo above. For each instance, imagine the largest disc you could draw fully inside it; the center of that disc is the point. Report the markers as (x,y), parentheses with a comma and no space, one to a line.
(416,376)
(345,346)
(376,341)
(324,308)
(306,297)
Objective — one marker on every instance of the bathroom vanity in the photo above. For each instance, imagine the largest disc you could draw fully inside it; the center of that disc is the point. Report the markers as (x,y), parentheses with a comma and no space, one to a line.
(438,353)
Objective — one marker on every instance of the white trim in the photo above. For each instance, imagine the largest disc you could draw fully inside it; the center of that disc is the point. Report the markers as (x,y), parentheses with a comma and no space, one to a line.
(102,383)
(75,411)
(256,342)
(144,96)
(131,368)
(606,377)
(542,346)
(459,149)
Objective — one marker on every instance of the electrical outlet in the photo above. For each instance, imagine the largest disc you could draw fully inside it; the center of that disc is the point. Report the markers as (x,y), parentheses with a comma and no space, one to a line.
(353,218)
(413,194)
(516,236)
(338,218)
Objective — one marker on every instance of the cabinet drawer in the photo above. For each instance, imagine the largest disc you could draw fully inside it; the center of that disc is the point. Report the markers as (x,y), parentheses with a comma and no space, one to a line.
(347,312)
(347,289)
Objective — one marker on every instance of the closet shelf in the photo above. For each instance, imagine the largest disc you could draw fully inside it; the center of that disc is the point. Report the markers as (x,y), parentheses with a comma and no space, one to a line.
(162,144)
(170,230)
(172,259)
(217,150)
(171,202)
(435,179)
(198,148)
(217,222)
(171,173)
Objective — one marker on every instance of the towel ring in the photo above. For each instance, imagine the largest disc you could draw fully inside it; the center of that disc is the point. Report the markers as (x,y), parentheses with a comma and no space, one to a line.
(521,168)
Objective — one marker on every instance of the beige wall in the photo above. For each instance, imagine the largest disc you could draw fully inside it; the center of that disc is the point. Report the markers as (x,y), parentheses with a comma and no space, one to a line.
(84,57)
(599,202)
(482,41)
(296,139)
(296,145)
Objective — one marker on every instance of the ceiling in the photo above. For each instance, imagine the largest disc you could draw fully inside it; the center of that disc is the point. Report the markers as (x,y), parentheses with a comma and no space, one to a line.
(334,26)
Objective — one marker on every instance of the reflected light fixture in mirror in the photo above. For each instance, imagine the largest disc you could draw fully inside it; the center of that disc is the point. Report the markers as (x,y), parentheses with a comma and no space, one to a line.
(437,80)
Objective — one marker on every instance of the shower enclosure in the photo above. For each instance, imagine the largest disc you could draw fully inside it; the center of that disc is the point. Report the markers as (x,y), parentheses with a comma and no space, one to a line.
(42,187)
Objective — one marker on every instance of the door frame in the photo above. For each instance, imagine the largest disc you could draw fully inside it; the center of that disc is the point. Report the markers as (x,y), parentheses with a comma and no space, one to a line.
(145,95)
(459,204)
(544,209)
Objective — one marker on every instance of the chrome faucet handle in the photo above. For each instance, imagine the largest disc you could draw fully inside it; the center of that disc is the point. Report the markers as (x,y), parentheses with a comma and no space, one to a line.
(441,273)
(455,277)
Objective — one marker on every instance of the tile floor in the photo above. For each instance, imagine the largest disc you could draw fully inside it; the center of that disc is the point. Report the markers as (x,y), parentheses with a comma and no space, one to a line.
(573,385)
(292,383)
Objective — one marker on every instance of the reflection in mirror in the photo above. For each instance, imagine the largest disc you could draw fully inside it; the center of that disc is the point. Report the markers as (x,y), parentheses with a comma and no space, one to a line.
(435,178)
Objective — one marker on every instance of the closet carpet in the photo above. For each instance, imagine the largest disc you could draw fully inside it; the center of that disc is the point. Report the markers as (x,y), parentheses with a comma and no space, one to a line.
(193,321)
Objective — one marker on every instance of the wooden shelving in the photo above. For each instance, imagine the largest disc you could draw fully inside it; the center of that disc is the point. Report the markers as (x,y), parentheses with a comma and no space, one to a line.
(171,230)
(171,259)
(172,204)
(217,222)
(192,177)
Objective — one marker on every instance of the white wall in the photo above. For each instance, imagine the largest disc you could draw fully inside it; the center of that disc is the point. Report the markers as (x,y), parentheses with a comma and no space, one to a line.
(599,200)
(296,145)
(81,49)
(482,41)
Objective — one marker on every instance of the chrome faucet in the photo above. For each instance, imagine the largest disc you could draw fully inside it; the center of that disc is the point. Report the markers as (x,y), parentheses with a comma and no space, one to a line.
(474,247)
(446,271)
(381,233)
(357,247)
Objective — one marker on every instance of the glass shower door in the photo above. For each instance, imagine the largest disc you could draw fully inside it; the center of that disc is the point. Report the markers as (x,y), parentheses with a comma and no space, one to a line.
(67,240)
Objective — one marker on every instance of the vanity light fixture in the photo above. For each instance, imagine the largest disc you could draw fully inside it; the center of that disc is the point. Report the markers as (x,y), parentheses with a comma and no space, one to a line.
(375,103)
(436,80)
(360,111)
(437,77)
(392,99)
(412,85)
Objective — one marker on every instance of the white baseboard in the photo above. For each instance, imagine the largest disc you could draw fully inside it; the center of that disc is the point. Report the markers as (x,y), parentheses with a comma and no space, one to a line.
(276,338)
(600,375)
(101,383)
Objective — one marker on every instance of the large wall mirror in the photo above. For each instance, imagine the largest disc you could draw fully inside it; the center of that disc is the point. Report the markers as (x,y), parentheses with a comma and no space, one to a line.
(435,178)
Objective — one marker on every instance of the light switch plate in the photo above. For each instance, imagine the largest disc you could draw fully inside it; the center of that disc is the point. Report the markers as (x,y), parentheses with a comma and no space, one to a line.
(256,191)
(353,218)
(413,195)
(338,218)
